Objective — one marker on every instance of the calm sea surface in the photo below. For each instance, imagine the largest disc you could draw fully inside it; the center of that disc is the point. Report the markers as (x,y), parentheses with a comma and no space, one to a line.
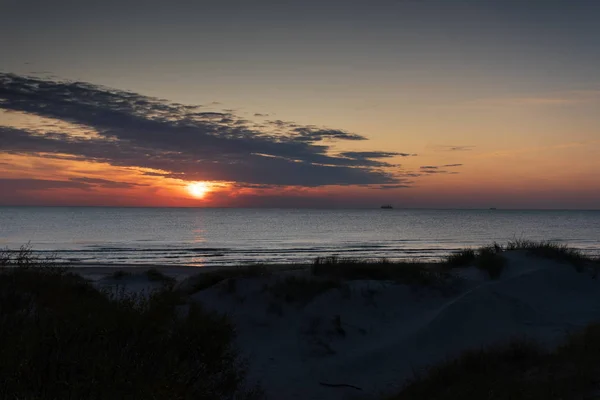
(233,236)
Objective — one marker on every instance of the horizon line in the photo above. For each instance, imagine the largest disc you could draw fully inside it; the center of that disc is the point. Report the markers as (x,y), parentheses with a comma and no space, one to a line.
(308,208)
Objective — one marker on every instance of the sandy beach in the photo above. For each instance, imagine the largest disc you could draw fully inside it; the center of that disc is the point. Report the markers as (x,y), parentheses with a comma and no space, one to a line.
(366,338)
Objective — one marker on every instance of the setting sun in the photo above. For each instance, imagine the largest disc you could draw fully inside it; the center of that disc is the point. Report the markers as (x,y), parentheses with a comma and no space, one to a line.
(198,189)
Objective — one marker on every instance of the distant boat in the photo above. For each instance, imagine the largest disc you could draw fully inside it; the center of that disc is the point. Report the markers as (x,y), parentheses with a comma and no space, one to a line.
(387,206)
(493,208)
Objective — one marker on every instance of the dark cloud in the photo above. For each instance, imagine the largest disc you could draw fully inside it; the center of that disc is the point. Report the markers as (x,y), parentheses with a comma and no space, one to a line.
(312,134)
(425,168)
(453,147)
(255,186)
(438,169)
(105,183)
(138,131)
(212,115)
(398,186)
(373,154)
(371,158)
(459,148)
(24,184)
(13,185)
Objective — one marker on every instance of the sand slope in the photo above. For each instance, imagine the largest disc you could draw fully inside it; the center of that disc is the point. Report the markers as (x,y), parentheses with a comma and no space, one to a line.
(373,335)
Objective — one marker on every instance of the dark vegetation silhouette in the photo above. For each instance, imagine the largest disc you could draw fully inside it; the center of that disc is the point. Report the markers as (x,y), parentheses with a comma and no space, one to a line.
(489,259)
(60,338)
(520,369)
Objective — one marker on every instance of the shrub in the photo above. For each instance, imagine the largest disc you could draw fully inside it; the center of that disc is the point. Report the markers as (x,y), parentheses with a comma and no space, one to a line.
(400,272)
(461,258)
(517,370)
(25,258)
(61,338)
(498,372)
(488,259)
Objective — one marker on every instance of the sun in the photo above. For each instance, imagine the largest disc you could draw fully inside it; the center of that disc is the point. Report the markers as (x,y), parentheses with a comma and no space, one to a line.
(198,189)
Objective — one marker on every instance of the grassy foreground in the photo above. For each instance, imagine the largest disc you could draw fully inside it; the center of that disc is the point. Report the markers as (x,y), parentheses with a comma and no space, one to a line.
(60,338)
(517,370)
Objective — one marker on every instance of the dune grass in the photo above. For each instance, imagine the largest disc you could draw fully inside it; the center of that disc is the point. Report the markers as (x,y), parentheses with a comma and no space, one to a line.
(204,280)
(461,258)
(548,249)
(410,273)
(490,259)
(487,258)
(60,338)
(25,258)
(517,370)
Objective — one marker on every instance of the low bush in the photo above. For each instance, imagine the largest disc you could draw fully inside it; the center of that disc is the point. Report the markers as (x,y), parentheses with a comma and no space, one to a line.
(518,370)
(461,258)
(60,338)
(487,258)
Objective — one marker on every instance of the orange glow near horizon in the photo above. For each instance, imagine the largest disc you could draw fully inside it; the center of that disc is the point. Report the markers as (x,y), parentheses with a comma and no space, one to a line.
(198,189)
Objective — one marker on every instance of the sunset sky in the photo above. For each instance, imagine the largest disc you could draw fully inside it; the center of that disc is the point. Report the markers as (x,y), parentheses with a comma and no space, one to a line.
(313,103)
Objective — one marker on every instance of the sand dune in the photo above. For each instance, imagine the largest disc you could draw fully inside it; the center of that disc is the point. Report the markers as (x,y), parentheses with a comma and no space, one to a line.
(389,331)
(368,337)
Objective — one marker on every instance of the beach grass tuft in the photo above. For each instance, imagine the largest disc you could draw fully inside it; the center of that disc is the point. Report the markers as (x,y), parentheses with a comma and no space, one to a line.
(461,258)
(520,369)
(552,250)
(403,272)
(486,258)
(490,259)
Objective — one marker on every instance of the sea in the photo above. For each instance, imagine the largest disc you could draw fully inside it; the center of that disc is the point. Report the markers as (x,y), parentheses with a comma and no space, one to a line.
(213,236)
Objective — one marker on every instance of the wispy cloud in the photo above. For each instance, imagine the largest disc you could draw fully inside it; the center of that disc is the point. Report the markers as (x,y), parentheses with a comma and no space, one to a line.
(185,142)
(13,185)
(105,183)
(441,147)
(557,98)
(438,169)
